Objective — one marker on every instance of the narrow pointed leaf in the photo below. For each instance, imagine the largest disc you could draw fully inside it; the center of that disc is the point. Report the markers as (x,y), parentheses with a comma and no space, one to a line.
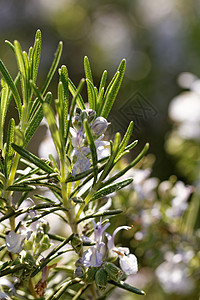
(132,145)
(12,47)
(73,91)
(36,119)
(36,55)
(113,90)
(101,214)
(88,72)
(131,165)
(126,139)
(60,108)
(20,188)
(33,159)
(111,188)
(103,80)
(110,162)
(9,149)
(127,287)
(92,100)
(12,86)
(64,79)
(4,102)
(22,69)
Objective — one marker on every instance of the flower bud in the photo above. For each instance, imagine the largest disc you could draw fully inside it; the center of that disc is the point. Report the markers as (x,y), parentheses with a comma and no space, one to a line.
(113,271)
(101,278)
(91,115)
(99,126)
(44,243)
(78,111)
(77,122)
(79,272)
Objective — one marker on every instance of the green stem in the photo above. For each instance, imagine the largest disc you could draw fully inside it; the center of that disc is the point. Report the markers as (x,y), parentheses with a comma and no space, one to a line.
(67,204)
(32,289)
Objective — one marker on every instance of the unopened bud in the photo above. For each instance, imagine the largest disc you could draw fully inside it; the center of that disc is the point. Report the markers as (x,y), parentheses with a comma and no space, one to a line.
(99,126)
(101,278)
(44,243)
(113,271)
(79,272)
(91,115)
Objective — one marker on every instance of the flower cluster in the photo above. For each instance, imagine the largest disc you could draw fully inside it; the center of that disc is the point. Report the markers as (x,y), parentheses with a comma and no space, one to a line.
(81,150)
(100,255)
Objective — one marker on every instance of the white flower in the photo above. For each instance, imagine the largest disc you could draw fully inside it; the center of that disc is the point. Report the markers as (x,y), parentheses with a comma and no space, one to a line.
(179,202)
(92,257)
(14,241)
(82,163)
(173,278)
(99,126)
(185,110)
(127,261)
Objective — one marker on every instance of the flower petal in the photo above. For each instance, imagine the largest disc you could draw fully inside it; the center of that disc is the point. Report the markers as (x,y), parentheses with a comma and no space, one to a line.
(128,264)
(15,241)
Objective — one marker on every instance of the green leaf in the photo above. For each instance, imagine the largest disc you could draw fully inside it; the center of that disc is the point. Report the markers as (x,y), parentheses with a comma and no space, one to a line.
(2,180)
(36,55)
(20,188)
(9,150)
(33,159)
(110,162)
(103,80)
(125,140)
(91,143)
(12,86)
(59,103)
(53,68)
(131,165)
(113,89)
(101,214)
(127,287)
(88,72)
(18,137)
(4,102)
(12,47)
(36,91)
(73,91)
(53,129)
(108,189)
(92,100)
(64,79)
(36,119)
(22,69)
(132,145)
(90,85)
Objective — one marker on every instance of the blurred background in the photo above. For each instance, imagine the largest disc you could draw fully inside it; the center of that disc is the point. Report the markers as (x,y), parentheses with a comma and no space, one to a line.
(160,40)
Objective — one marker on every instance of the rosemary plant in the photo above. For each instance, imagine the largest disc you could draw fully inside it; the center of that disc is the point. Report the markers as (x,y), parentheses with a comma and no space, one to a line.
(85,263)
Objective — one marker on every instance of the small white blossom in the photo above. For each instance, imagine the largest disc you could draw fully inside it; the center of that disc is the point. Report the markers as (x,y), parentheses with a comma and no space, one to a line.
(99,126)
(14,241)
(127,261)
